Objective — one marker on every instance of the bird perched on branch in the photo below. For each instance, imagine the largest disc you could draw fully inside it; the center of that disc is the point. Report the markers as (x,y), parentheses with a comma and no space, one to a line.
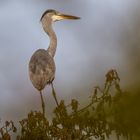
(42,65)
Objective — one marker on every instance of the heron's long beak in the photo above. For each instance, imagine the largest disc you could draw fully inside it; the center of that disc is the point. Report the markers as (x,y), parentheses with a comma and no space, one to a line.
(63,16)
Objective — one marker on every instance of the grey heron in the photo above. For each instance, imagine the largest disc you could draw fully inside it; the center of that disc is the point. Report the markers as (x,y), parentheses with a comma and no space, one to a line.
(42,66)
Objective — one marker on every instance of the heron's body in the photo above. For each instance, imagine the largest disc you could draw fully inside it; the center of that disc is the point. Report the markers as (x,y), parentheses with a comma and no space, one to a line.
(42,69)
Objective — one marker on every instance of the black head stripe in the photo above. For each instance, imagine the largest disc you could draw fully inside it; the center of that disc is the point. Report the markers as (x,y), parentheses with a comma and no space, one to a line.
(46,12)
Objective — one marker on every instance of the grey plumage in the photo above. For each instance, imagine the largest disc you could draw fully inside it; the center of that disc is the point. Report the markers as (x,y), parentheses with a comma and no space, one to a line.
(42,69)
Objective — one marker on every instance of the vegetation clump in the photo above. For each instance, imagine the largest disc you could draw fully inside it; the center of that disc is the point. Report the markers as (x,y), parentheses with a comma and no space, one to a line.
(97,120)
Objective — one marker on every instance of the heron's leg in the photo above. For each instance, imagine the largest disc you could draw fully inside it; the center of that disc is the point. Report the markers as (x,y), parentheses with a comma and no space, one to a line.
(43,104)
(54,94)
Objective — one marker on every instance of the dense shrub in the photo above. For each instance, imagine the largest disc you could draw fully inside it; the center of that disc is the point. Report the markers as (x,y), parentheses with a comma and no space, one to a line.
(98,119)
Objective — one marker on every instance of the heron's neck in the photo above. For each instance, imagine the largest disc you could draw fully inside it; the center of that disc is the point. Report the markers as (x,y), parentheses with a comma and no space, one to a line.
(53,39)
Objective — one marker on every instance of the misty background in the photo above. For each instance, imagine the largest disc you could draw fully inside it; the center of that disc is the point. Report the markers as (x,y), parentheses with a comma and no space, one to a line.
(107,36)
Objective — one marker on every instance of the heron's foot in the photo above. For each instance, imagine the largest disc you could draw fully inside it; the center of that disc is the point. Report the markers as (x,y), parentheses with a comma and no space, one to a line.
(54,94)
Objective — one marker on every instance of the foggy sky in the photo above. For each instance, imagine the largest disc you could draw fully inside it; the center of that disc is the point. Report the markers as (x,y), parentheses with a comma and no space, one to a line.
(106,37)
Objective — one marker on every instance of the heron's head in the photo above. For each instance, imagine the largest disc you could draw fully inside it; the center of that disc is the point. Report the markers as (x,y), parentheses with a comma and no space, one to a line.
(56,16)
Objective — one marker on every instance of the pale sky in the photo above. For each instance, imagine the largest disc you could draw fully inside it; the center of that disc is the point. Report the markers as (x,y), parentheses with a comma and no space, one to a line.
(103,39)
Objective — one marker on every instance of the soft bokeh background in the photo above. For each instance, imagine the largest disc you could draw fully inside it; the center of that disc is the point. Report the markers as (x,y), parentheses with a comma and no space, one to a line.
(107,36)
